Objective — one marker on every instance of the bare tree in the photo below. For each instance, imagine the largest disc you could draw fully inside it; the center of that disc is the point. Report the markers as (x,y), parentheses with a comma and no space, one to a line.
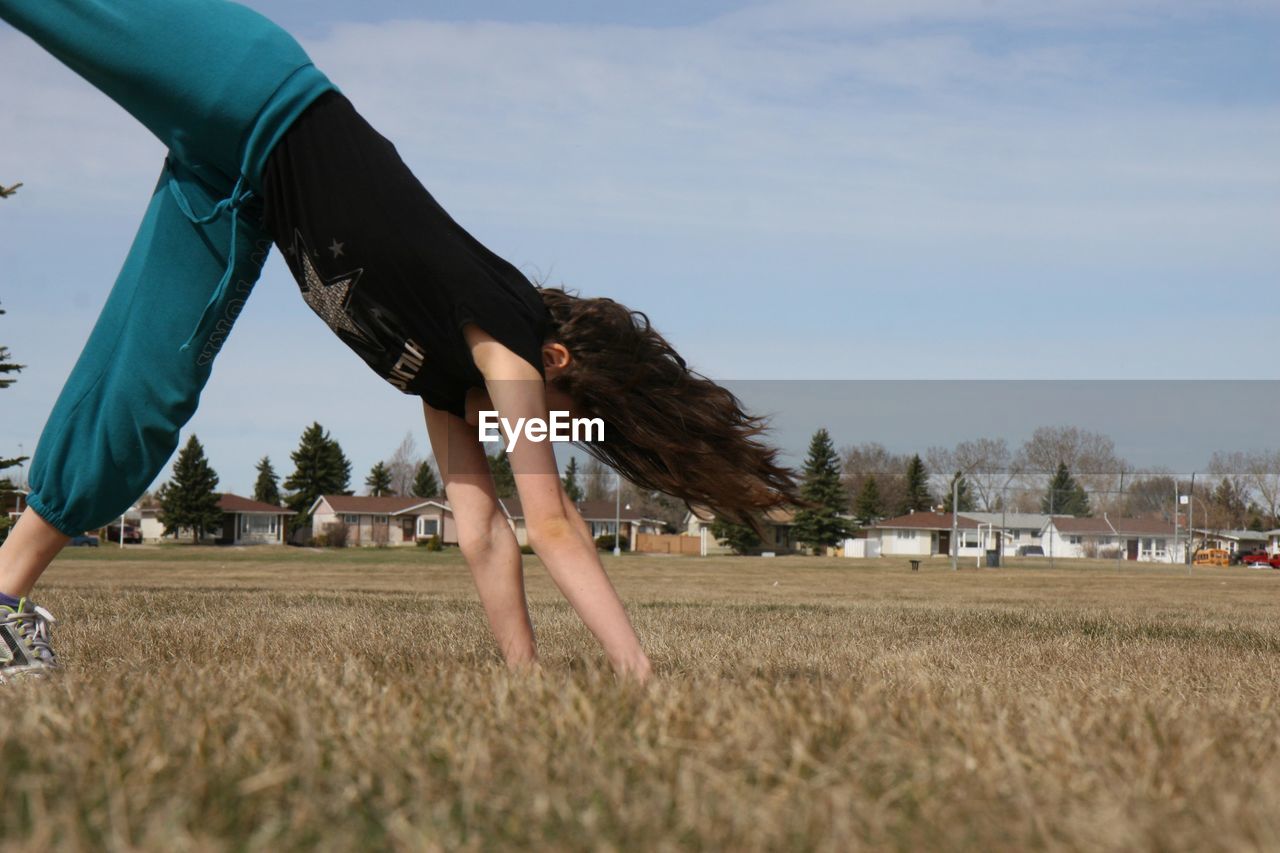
(986,463)
(1262,476)
(403,465)
(1090,457)
(1154,493)
(872,459)
(597,480)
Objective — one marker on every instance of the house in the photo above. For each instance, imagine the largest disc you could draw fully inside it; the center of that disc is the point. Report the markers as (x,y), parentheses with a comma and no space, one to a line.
(1148,540)
(778,524)
(250,522)
(1236,541)
(384,519)
(244,522)
(924,534)
(1010,531)
(14,504)
(602,518)
(393,520)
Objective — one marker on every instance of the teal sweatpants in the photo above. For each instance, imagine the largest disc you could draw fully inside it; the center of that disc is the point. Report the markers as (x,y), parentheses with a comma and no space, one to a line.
(219,85)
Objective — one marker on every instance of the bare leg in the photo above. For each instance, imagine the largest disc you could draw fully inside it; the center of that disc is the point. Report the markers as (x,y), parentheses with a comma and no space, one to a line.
(27,552)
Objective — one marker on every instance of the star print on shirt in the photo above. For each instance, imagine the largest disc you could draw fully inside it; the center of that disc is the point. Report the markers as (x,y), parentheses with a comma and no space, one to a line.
(336,248)
(329,299)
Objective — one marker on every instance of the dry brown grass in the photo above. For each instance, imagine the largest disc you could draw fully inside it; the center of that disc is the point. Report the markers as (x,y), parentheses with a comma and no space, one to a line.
(244,700)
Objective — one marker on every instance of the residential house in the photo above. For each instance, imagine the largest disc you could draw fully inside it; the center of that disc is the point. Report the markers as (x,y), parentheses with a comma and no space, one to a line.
(1010,531)
(925,534)
(384,519)
(244,522)
(1236,541)
(1148,540)
(250,522)
(602,518)
(14,504)
(778,524)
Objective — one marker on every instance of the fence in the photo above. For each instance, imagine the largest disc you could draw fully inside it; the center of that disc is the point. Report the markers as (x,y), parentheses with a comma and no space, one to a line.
(668,543)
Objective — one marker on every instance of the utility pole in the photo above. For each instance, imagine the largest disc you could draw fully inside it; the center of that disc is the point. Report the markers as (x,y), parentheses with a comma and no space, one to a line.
(955,524)
(617,516)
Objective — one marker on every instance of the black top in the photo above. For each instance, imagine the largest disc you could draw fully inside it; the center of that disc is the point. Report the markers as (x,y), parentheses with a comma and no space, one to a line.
(384,265)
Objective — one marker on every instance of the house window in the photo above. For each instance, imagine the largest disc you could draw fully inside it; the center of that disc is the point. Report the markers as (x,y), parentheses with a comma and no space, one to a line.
(906,534)
(351,519)
(1074,540)
(379,519)
(258,524)
(970,540)
(428,526)
(1160,544)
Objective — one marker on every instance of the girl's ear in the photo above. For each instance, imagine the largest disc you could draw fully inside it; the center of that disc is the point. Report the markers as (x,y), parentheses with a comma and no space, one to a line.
(555,356)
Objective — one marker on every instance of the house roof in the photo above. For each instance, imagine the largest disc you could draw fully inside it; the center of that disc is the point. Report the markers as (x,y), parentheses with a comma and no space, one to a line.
(1239,535)
(926,521)
(1010,520)
(1118,526)
(376,505)
(774,515)
(604,510)
(234,503)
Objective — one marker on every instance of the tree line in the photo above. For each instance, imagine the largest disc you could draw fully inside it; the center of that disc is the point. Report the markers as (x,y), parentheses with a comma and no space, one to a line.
(1063,470)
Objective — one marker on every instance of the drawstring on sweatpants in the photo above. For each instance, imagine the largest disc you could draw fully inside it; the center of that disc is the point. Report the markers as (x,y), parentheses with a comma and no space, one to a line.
(231,203)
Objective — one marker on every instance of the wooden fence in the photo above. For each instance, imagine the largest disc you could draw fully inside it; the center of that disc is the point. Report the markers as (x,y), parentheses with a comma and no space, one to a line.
(668,543)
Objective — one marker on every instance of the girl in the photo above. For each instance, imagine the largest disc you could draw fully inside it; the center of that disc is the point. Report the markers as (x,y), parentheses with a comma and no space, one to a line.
(264,148)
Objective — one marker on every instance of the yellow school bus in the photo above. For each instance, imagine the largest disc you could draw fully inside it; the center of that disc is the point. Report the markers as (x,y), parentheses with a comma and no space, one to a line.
(1212,557)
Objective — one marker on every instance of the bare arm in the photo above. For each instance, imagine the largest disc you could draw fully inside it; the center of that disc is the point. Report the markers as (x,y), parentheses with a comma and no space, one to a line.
(485,537)
(556,532)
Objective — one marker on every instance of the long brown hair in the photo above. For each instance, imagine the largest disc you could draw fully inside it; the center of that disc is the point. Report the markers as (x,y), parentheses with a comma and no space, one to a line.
(667,427)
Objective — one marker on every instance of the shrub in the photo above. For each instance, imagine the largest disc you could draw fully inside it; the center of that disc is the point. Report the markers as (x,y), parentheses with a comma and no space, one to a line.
(432,543)
(334,535)
(605,542)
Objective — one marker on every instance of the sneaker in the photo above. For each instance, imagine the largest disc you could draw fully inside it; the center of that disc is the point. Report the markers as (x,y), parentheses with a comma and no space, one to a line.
(24,640)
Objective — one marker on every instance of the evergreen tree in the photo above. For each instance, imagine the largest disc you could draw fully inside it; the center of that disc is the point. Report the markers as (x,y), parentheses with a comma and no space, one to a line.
(379,480)
(1065,496)
(320,468)
(740,538)
(425,484)
(189,499)
(504,479)
(7,367)
(868,507)
(571,487)
(267,488)
(959,487)
(821,523)
(916,498)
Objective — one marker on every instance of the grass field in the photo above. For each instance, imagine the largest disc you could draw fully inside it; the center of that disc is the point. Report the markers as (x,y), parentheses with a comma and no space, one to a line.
(254,699)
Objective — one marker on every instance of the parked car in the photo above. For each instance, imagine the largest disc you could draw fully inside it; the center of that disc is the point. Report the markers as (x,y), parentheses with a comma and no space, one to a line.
(84,539)
(1257,559)
(132,534)
(1242,557)
(1030,551)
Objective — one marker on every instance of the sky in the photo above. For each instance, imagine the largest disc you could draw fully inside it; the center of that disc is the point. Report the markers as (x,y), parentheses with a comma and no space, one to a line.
(800,190)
